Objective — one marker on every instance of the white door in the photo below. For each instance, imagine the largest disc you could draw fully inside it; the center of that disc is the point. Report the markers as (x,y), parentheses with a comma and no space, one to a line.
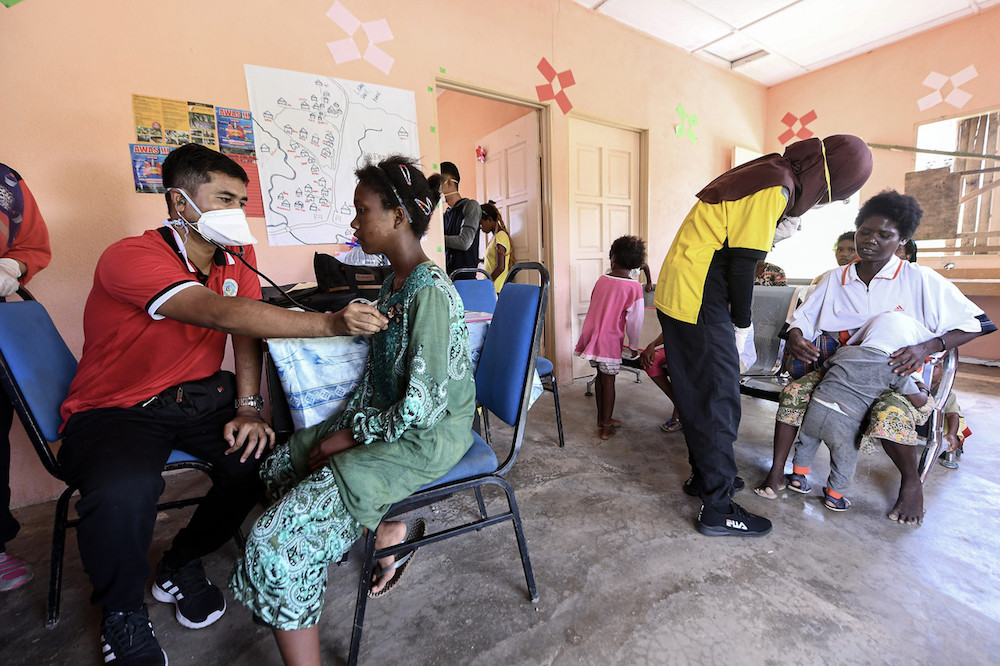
(510,177)
(604,183)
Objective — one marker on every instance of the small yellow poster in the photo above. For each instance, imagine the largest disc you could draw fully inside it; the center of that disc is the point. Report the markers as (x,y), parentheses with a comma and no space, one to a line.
(173,122)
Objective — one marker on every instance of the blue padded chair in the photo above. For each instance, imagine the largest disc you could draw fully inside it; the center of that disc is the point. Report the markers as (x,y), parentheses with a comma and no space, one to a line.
(503,386)
(478,295)
(36,368)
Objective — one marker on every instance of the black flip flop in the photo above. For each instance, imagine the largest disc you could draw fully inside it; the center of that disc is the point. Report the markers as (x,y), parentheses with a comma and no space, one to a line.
(402,561)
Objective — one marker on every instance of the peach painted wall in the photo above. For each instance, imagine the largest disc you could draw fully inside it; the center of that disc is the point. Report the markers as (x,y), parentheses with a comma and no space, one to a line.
(875,96)
(67,116)
(462,119)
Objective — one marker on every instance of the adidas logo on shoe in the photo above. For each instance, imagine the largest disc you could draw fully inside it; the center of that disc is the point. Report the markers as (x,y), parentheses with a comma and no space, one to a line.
(198,602)
(737,521)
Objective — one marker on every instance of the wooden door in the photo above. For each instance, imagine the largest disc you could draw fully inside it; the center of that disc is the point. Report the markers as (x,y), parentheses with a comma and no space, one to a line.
(604,189)
(510,177)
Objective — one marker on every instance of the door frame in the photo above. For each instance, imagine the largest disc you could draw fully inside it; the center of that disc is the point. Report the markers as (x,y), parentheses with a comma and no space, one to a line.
(545,170)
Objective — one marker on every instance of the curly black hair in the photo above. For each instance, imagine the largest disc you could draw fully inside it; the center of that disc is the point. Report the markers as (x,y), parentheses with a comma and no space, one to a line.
(900,209)
(847,235)
(398,181)
(628,252)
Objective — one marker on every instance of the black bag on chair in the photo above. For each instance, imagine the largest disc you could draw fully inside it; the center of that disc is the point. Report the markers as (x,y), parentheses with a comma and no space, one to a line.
(338,283)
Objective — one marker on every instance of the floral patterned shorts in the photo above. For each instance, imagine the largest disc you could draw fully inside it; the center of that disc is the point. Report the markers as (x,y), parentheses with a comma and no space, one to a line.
(892,417)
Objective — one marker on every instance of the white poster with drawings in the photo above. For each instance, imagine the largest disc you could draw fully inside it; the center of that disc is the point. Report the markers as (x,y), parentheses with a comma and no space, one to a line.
(310,133)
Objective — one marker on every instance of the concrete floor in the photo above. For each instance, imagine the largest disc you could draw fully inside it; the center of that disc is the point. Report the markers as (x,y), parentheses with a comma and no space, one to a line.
(623,576)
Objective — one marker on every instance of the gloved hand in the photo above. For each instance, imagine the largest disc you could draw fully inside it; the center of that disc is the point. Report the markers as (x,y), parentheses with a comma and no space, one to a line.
(745,347)
(9,272)
(786,227)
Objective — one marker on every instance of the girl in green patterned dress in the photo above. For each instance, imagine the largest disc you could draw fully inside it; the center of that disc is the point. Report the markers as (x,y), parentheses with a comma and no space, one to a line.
(408,422)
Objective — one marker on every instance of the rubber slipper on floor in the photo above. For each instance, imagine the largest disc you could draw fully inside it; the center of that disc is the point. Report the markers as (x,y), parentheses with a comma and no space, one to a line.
(673,425)
(401,563)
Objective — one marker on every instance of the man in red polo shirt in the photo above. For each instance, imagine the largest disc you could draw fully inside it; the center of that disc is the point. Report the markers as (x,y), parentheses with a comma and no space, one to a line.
(155,326)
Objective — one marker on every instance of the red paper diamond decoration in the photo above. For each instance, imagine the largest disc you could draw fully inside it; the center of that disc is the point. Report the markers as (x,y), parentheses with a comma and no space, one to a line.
(547,92)
(804,132)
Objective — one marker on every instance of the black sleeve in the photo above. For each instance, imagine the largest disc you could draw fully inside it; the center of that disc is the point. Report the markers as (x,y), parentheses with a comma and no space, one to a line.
(741,266)
(985,323)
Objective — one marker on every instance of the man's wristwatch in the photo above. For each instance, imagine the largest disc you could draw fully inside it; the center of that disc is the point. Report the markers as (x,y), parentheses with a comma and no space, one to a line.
(255,401)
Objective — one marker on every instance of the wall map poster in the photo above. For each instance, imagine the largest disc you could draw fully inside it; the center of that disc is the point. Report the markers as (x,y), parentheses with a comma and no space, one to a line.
(310,133)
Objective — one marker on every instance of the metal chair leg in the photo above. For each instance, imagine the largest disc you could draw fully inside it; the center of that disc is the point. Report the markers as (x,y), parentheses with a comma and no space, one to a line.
(367,566)
(555,397)
(56,558)
(522,544)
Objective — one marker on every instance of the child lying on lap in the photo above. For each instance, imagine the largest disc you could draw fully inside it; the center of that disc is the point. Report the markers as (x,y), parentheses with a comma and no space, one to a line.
(853,378)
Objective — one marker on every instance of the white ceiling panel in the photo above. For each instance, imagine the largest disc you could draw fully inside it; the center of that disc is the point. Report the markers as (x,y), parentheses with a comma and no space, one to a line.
(772,69)
(673,21)
(741,13)
(733,46)
(799,35)
(845,25)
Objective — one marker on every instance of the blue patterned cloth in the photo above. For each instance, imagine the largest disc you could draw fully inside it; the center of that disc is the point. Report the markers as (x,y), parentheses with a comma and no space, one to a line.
(319,375)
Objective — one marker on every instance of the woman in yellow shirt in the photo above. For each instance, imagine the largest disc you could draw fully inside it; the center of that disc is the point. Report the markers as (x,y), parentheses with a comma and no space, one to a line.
(499,253)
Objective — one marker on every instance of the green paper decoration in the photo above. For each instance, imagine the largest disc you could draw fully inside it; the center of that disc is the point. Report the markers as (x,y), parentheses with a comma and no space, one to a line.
(686,126)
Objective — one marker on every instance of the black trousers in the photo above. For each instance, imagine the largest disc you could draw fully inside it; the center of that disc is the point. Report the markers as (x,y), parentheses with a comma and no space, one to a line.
(705,373)
(116,456)
(8,524)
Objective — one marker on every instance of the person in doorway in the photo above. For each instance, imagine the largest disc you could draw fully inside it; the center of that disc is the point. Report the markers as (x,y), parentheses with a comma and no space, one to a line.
(704,291)
(500,251)
(156,324)
(461,224)
(408,422)
(24,250)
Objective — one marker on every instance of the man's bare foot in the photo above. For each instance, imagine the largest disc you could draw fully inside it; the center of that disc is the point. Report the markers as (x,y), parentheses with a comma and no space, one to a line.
(388,534)
(607,431)
(909,509)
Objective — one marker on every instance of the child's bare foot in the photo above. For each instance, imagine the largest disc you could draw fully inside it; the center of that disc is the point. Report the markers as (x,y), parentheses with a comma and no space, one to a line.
(615,423)
(607,431)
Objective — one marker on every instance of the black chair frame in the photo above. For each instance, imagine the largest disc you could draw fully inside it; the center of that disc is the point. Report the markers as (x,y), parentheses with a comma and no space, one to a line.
(430,495)
(62,521)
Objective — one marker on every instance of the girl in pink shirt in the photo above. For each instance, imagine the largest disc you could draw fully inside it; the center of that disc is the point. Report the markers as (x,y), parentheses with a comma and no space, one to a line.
(616,309)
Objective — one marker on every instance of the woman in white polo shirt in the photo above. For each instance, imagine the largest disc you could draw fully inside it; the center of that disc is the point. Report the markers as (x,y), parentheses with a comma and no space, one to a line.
(844,300)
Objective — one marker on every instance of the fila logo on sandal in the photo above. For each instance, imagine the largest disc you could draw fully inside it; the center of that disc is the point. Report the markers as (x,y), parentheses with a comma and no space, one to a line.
(736,524)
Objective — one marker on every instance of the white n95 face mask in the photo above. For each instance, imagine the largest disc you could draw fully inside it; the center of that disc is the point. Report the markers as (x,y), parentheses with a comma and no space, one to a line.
(227,226)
